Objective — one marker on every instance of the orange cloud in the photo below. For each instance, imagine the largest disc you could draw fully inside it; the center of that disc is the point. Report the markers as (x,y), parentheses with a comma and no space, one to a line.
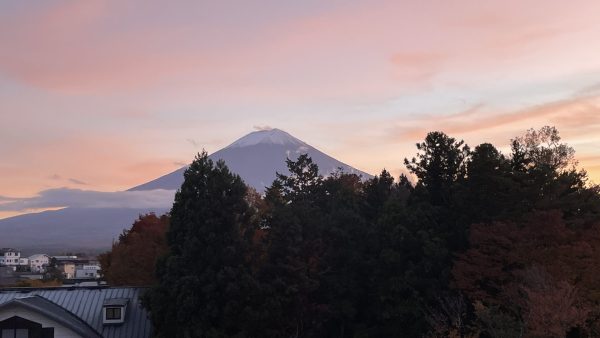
(371,144)
(571,113)
(114,163)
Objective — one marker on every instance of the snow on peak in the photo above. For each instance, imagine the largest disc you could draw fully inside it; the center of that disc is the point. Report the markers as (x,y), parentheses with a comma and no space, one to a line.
(271,136)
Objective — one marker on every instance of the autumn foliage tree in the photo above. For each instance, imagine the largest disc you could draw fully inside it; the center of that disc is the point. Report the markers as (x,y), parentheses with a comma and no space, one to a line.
(133,257)
(537,272)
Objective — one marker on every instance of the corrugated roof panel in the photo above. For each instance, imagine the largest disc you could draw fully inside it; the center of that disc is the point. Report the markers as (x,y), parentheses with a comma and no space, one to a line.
(96,319)
(90,308)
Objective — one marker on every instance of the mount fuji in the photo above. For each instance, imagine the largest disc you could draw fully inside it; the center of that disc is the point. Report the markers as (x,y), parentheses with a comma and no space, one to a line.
(256,157)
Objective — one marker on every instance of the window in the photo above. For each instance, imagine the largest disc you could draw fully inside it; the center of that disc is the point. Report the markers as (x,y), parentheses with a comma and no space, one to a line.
(15,333)
(12,333)
(112,313)
(17,327)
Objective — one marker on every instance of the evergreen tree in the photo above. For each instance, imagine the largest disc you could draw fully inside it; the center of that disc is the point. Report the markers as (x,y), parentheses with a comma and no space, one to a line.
(205,283)
(489,190)
(439,164)
(290,274)
(345,268)
(410,268)
(376,193)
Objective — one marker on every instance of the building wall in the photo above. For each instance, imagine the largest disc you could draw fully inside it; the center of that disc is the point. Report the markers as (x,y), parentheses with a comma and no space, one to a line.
(59,330)
(88,271)
(68,269)
(37,262)
(10,258)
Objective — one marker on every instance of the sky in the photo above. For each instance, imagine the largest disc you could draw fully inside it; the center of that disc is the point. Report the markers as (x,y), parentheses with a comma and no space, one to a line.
(100,96)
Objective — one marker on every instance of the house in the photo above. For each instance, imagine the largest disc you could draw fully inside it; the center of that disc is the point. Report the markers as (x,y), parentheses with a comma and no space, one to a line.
(23,261)
(79,268)
(95,312)
(38,262)
(10,257)
(67,268)
(87,271)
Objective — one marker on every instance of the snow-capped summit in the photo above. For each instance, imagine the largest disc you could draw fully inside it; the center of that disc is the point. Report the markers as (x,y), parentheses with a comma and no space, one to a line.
(270,136)
(256,157)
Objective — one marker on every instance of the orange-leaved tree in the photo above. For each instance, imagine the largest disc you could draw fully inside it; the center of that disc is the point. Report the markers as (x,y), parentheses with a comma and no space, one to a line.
(132,259)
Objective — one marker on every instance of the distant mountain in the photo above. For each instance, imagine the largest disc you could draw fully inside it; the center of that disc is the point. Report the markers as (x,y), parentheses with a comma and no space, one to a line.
(72,229)
(256,157)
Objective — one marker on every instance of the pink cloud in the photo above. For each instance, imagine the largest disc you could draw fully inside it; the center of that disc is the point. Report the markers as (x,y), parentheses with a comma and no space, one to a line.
(419,67)
(97,46)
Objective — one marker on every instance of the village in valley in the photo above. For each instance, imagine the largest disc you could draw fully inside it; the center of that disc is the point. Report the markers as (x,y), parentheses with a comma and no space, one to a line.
(46,296)
(17,270)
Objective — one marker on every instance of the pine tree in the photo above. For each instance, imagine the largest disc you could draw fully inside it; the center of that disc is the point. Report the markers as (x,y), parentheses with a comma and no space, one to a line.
(439,164)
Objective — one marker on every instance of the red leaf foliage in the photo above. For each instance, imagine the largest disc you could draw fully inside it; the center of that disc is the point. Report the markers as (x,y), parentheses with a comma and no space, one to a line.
(133,258)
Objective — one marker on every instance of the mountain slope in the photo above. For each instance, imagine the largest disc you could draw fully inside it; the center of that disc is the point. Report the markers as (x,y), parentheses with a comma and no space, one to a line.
(256,157)
(69,229)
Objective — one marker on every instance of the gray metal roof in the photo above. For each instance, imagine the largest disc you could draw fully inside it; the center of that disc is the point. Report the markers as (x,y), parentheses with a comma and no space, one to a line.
(86,303)
(48,309)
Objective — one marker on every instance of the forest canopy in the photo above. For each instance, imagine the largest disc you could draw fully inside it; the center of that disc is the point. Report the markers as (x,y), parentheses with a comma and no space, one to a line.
(483,244)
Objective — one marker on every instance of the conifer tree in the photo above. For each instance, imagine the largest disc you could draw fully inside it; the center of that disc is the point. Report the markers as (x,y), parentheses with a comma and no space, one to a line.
(439,164)
(289,276)
(204,281)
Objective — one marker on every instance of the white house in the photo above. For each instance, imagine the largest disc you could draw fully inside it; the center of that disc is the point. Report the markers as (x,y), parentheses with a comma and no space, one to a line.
(10,257)
(39,262)
(96,312)
(88,271)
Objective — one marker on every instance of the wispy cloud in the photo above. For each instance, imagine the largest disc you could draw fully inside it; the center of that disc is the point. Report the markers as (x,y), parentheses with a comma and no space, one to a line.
(262,127)
(572,113)
(192,142)
(57,177)
(76,181)
(7,199)
(418,67)
(76,198)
